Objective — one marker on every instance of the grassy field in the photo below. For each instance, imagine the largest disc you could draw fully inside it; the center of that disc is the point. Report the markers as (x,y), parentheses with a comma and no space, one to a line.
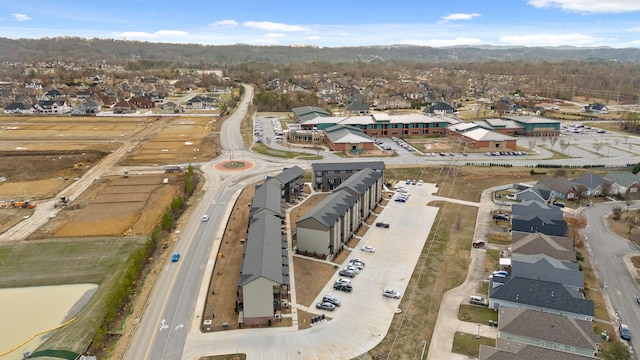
(477,314)
(69,261)
(469,344)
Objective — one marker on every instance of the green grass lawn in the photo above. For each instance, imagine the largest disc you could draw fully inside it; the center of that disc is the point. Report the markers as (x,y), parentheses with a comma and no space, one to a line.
(265,150)
(469,344)
(477,314)
(69,261)
(492,260)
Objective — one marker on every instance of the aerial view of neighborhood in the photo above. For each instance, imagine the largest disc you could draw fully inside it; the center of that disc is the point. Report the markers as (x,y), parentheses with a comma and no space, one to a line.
(278,190)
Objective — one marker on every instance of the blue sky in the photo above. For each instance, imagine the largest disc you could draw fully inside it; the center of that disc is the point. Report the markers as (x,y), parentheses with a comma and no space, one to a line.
(583,23)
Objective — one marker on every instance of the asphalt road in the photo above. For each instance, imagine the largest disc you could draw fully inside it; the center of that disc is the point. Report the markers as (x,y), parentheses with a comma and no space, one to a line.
(608,251)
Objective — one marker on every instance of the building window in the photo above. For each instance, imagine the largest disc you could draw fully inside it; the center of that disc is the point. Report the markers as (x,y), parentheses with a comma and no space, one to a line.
(331,180)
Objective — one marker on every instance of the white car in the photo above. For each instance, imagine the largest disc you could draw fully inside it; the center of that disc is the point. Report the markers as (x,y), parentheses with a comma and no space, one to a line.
(343,281)
(391,293)
(205,218)
(420,182)
(370,249)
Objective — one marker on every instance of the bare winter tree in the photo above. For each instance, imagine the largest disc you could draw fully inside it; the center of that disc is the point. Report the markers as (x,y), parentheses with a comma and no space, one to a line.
(606,188)
(553,140)
(597,146)
(564,144)
(532,144)
(576,221)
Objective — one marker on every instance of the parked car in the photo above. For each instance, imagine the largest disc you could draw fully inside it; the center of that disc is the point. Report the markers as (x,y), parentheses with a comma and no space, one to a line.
(331,299)
(391,293)
(368,248)
(500,273)
(401,199)
(343,287)
(205,218)
(356,263)
(175,257)
(625,333)
(347,273)
(414,182)
(503,217)
(382,224)
(559,204)
(343,281)
(478,244)
(478,300)
(420,182)
(408,182)
(353,268)
(325,306)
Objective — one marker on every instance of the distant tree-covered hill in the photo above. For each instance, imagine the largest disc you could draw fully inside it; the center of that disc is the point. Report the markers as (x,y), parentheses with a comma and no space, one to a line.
(75,49)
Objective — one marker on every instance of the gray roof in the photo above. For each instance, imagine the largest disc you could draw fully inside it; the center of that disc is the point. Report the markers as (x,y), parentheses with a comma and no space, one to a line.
(350,165)
(357,106)
(509,349)
(544,267)
(547,327)
(532,120)
(263,251)
(558,247)
(542,294)
(538,216)
(623,178)
(331,208)
(591,181)
(308,110)
(558,183)
(346,134)
(267,196)
(289,174)
(359,182)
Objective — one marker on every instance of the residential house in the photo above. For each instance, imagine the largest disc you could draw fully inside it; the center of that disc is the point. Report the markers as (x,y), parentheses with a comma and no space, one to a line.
(123,107)
(142,102)
(18,108)
(291,182)
(532,216)
(595,184)
(440,108)
(358,108)
(87,107)
(509,350)
(393,102)
(596,108)
(548,330)
(171,108)
(328,176)
(623,182)
(83,94)
(57,107)
(538,192)
(52,94)
(365,184)
(539,295)
(544,267)
(561,187)
(557,247)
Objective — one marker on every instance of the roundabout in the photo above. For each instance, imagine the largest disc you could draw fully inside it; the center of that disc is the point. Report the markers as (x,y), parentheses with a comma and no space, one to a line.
(234,165)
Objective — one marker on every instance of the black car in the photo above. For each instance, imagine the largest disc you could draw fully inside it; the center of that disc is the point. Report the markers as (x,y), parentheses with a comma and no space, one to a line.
(503,217)
(343,287)
(382,224)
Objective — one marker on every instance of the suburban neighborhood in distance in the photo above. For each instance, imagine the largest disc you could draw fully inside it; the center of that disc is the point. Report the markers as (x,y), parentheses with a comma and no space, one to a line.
(164,198)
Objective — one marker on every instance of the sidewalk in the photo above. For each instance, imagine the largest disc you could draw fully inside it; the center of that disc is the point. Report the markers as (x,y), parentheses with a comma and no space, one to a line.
(447,323)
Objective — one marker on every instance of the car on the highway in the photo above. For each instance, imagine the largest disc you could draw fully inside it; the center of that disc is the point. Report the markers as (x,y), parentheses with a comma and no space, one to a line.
(205,218)
(347,273)
(382,224)
(391,293)
(625,333)
(325,306)
(368,248)
(343,287)
(175,257)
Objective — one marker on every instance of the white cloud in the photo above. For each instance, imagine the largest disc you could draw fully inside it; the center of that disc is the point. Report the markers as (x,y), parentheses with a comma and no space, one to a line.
(154,35)
(274,35)
(459,16)
(224,23)
(314,37)
(550,40)
(271,26)
(589,6)
(21,17)
(444,42)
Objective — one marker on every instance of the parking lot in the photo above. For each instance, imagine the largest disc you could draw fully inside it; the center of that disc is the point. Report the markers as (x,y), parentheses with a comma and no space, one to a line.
(397,249)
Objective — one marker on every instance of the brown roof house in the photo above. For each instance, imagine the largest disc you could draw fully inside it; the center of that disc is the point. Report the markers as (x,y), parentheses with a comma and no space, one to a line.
(558,247)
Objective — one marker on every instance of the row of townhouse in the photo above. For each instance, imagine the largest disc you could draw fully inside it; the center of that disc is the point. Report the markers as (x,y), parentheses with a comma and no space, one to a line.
(326,228)
(549,189)
(542,311)
(263,286)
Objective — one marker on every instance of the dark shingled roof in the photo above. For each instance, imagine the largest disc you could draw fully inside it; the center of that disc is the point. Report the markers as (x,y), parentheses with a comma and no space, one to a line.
(331,208)
(289,174)
(263,250)
(350,165)
(542,294)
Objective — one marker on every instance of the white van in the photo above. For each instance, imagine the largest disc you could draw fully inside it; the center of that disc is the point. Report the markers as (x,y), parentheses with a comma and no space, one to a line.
(478,300)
